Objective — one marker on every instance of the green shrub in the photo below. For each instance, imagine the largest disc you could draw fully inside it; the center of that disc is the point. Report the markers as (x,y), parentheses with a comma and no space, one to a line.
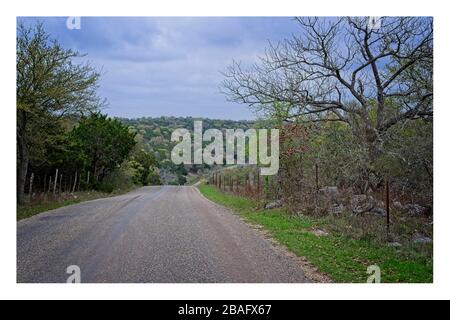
(104,187)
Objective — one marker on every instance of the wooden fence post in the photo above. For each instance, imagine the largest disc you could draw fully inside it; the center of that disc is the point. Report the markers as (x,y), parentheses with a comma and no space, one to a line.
(49,183)
(258,188)
(232,184)
(56,182)
(60,183)
(45,183)
(388,214)
(317,177)
(75,182)
(30,191)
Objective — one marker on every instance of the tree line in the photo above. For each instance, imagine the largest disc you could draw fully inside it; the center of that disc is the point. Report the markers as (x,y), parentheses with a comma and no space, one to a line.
(64,142)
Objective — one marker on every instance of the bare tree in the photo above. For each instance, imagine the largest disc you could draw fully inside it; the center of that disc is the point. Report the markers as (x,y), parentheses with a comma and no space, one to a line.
(370,76)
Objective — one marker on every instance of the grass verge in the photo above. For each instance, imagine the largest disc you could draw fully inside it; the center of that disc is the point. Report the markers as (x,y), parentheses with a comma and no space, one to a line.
(343,259)
(29,210)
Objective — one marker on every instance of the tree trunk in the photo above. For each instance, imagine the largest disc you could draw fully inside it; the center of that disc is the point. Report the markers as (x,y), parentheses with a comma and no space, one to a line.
(22,168)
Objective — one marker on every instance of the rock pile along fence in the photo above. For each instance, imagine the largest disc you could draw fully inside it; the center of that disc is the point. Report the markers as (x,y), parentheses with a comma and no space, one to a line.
(254,186)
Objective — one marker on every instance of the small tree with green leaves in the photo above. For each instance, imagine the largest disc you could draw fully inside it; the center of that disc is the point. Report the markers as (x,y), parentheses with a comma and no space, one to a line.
(103,142)
(49,86)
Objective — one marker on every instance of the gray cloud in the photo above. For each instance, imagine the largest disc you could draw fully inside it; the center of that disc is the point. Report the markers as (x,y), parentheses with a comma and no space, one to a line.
(169,66)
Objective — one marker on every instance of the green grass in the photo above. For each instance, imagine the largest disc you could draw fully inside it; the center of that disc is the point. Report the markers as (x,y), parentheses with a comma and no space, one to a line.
(343,259)
(29,210)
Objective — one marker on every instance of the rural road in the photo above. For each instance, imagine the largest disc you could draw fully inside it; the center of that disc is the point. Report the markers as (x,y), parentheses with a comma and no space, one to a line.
(150,235)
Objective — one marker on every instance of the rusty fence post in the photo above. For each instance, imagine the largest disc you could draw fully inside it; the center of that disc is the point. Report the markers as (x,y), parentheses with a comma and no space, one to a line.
(258,188)
(317,177)
(388,213)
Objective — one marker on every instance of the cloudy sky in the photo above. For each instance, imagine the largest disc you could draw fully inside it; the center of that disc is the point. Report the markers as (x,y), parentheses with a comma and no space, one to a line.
(169,66)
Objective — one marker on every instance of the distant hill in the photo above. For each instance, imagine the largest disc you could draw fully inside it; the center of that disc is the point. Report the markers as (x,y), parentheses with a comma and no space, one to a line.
(154,135)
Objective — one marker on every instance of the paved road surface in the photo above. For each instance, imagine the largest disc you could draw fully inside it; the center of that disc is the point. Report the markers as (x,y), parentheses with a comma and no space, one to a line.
(154,234)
